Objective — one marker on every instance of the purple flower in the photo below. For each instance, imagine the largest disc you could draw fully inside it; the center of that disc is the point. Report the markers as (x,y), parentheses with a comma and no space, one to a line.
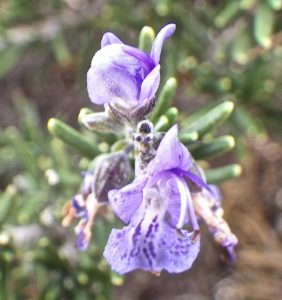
(157,204)
(123,75)
(112,171)
(83,206)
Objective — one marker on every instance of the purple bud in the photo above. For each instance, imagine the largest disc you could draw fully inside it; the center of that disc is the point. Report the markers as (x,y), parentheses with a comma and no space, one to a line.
(111,172)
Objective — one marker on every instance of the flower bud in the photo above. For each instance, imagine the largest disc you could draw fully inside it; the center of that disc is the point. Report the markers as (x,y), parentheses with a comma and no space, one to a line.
(112,171)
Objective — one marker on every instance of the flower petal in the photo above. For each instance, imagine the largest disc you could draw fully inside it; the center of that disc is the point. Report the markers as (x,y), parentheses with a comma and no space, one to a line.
(152,246)
(116,74)
(150,85)
(165,33)
(81,241)
(78,204)
(170,154)
(109,38)
(125,202)
(149,243)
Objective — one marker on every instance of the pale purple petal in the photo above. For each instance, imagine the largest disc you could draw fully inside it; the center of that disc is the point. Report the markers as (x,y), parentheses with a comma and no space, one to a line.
(125,202)
(116,75)
(126,76)
(170,154)
(149,243)
(150,85)
(151,248)
(179,250)
(165,33)
(81,243)
(109,38)
(78,205)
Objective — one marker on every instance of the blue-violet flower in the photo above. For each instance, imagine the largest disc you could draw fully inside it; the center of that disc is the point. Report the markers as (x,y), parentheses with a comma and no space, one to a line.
(111,171)
(123,75)
(157,204)
(83,206)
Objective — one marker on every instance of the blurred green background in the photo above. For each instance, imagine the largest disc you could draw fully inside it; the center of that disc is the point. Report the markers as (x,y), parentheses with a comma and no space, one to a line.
(222,50)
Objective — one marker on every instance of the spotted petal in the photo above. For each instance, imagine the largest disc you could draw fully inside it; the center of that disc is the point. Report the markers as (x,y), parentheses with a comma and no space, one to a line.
(149,243)
(153,246)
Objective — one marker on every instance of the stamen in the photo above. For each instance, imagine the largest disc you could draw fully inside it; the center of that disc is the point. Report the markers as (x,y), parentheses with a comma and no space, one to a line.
(192,214)
(195,179)
(184,203)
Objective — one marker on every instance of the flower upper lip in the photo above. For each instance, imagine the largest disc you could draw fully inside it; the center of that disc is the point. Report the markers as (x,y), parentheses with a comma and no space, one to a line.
(124,75)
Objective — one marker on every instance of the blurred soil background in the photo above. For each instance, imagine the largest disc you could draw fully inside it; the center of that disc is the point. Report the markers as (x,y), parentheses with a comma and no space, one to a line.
(221,50)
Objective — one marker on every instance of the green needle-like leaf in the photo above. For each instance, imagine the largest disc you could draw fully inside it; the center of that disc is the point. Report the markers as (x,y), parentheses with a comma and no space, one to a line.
(164,100)
(264,20)
(72,138)
(275,4)
(7,201)
(188,137)
(211,119)
(24,153)
(223,173)
(162,124)
(227,14)
(216,147)
(245,123)
(172,114)
(167,120)
(146,39)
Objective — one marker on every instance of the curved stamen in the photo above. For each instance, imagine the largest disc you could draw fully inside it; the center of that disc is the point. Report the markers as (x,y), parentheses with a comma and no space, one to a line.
(192,214)
(195,179)
(184,202)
